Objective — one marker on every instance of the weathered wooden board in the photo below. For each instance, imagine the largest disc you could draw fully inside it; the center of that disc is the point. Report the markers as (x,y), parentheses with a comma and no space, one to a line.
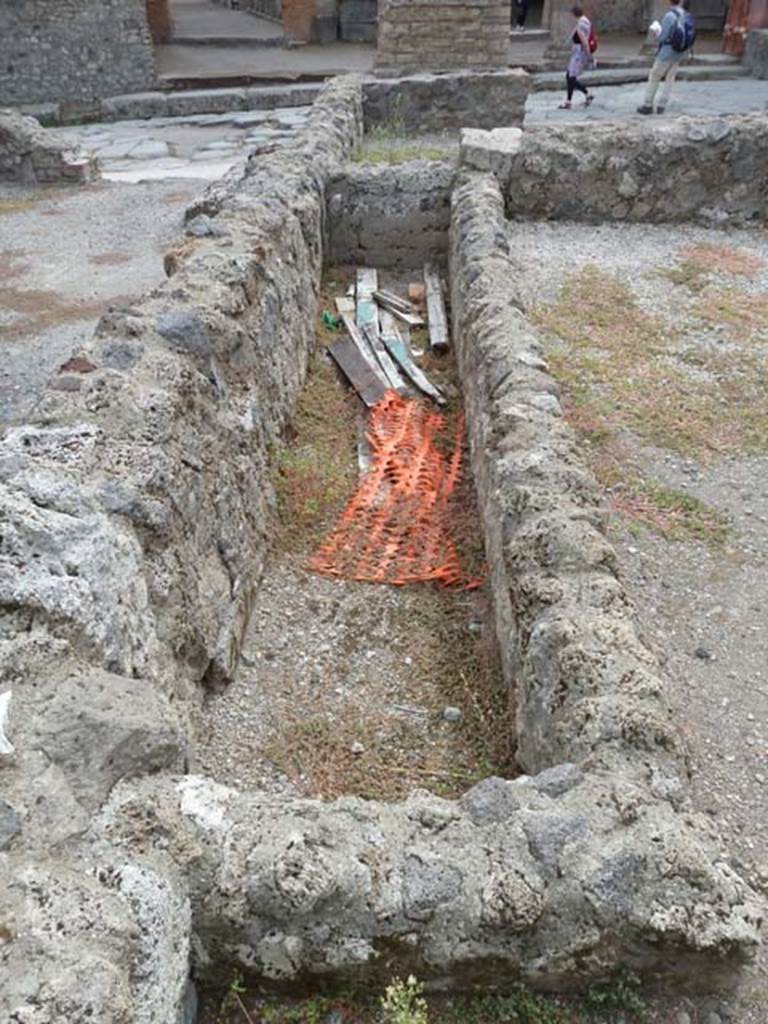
(436,315)
(394,301)
(366,313)
(366,380)
(388,368)
(398,349)
(407,318)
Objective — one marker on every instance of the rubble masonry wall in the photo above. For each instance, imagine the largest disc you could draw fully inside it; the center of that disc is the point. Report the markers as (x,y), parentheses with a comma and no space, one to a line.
(136,509)
(73,51)
(32,156)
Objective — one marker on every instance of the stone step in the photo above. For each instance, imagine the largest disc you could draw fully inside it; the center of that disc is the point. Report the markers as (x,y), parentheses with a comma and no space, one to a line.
(241,42)
(553,80)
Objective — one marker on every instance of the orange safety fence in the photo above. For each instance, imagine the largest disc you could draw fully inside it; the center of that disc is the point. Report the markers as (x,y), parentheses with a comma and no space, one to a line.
(396,527)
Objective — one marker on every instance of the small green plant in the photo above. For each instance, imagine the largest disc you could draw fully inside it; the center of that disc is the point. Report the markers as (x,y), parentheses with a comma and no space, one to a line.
(403,1002)
(621,994)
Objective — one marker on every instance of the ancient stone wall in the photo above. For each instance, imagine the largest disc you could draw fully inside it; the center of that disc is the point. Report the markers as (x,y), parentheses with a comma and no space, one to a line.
(392,215)
(136,511)
(36,157)
(756,52)
(705,169)
(416,104)
(431,35)
(73,51)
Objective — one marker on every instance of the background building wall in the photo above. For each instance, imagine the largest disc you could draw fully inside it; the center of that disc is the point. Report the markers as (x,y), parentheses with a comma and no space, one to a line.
(73,51)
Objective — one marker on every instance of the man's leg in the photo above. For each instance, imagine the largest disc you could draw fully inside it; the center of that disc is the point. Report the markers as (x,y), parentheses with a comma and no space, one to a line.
(669,80)
(654,78)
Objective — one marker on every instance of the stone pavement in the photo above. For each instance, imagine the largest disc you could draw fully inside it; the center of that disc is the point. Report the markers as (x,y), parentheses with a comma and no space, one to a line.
(202,146)
(192,62)
(620,102)
(198,22)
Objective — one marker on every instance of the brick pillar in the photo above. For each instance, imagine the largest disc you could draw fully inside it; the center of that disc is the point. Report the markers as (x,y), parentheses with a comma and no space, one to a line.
(159,20)
(310,21)
(440,35)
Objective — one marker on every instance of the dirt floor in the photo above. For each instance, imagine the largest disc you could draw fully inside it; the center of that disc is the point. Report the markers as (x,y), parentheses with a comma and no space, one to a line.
(659,336)
(350,687)
(66,255)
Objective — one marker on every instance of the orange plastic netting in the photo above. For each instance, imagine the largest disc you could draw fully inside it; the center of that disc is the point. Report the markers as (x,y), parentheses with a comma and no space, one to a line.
(396,527)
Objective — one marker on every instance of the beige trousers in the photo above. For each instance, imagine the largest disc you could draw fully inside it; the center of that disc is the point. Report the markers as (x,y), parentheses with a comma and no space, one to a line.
(662,69)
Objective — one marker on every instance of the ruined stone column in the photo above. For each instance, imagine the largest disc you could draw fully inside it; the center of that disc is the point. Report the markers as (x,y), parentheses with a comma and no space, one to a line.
(438,35)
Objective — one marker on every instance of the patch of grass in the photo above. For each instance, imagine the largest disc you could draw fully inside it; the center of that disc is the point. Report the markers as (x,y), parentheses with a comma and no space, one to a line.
(398,152)
(316,472)
(744,315)
(404,1002)
(724,259)
(359,750)
(622,369)
(18,205)
(689,274)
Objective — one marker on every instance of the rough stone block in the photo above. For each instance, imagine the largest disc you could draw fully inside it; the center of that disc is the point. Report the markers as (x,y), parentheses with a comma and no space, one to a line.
(495,150)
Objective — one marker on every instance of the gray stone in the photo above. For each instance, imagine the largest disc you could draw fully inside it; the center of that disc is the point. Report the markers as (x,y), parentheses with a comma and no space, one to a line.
(557,780)
(186,330)
(99,728)
(422,103)
(121,353)
(756,52)
(148,149)
(491,800)
(495,150)
(451,714)
(10,824)
(204,227)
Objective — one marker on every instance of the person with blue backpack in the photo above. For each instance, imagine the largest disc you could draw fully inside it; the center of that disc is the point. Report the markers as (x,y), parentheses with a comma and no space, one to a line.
(676,39)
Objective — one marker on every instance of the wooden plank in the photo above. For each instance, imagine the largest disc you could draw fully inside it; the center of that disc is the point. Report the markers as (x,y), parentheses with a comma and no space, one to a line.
(388,368)
(407,318)
(364,319)
(392,300)
(436,316)
(398,349)
(361,375)
(358,362)
(366,313)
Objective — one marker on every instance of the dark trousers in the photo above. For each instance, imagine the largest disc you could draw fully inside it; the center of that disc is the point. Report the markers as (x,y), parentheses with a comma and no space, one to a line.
(521,7)
(571,83)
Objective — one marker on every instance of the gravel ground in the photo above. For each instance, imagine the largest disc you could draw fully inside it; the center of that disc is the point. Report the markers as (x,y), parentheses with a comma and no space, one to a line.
(703,608)
(65,256)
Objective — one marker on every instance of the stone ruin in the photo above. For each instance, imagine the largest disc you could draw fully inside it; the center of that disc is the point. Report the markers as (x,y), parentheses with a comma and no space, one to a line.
(33,156)
(135,506)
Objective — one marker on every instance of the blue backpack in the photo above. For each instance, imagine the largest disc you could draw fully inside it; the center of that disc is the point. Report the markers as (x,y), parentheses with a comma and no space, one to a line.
(684,33)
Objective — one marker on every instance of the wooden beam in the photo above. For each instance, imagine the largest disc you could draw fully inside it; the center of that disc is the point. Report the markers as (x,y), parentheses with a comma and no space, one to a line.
(436,316)
(397,348)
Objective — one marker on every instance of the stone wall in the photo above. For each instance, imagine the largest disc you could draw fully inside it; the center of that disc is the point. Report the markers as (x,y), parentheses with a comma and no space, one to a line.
(136,507)
(705,169)
(73,51)
(756,52)
(391,215)
(434,103)
(431,35)
(136,513)
(36,157)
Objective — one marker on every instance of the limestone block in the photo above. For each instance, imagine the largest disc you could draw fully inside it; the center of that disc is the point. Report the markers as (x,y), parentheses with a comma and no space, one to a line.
(98,728)
(495,150)
(92,941)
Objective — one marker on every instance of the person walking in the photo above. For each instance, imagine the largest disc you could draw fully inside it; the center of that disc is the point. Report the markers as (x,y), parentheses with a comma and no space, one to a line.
(675,41)
(580,59)
(521,10)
